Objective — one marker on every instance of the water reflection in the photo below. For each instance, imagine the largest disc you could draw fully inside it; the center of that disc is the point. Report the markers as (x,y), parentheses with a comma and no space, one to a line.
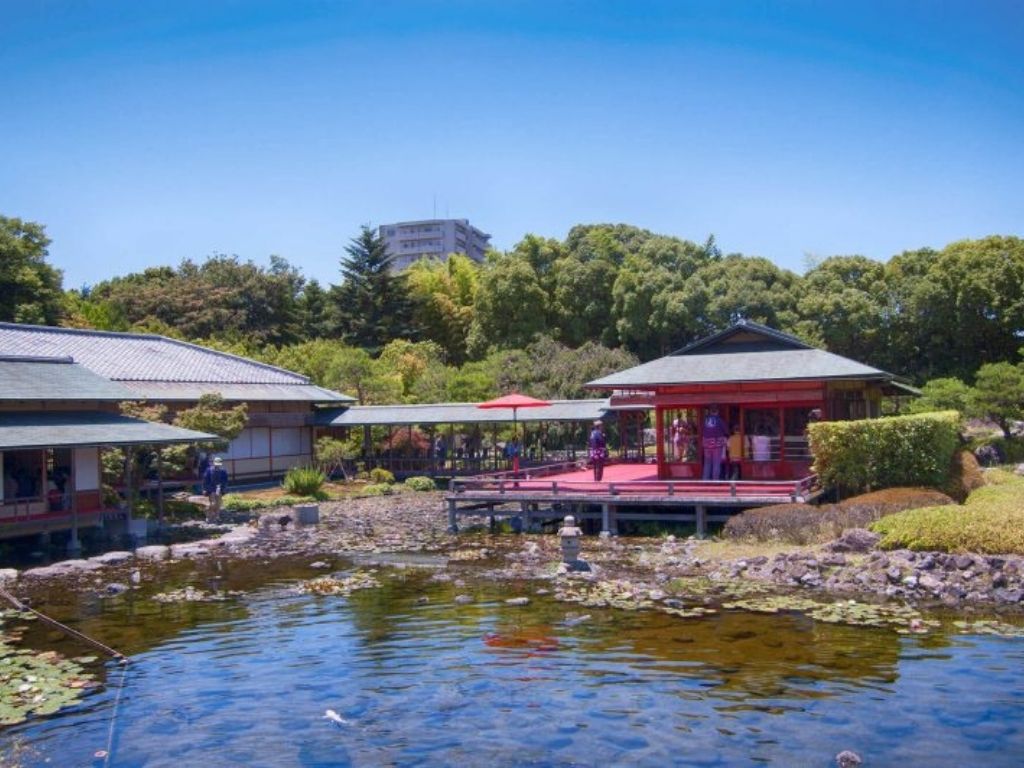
(420,680)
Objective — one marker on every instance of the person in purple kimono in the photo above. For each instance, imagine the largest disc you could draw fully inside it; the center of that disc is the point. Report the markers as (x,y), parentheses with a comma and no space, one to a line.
(597,450)
(714,438)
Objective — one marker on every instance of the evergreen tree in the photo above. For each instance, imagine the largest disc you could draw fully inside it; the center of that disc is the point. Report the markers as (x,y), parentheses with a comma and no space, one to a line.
(372,303)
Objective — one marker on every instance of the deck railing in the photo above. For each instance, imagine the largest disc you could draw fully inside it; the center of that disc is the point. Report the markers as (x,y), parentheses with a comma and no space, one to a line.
(533,481)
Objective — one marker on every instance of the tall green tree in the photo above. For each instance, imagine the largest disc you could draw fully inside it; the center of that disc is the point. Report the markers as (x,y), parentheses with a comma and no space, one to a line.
(510,307)
(30,289)
(443,295)
(998,394)
(372,304)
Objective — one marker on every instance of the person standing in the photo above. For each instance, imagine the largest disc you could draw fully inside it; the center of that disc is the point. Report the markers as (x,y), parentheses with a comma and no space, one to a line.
(215,483)
(714,438)
(597,450)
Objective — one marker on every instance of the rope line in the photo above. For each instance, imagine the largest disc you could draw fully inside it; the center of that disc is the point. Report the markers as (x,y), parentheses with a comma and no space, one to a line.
(108,753)
(63,627)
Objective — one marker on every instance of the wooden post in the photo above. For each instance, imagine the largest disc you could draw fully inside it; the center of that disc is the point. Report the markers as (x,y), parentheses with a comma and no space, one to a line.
(160,487)
(524,516)
(73,544)
(701,521)
(452,524)
(606,529)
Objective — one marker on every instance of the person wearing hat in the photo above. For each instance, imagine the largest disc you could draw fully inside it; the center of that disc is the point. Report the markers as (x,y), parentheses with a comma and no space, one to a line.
(215,484)
(597,450)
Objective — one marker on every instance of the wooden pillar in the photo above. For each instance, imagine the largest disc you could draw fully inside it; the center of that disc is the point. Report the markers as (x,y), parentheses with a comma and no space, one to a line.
(453,524)
(129,495)
(659,436)
(524,516)
(73,544)
(701,521)
(160,486)
(606,522)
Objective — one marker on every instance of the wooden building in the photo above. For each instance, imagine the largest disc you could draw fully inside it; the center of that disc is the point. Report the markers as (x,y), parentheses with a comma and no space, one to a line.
(55,416)
(765,384)
(281,404)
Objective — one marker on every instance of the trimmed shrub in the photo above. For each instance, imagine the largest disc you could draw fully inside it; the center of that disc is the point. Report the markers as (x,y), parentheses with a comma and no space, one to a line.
(990,522)
(867,455)
(809,524)
(789,523)
(234,502)
(304,481)
(380,476)
(378,489)
(421,484)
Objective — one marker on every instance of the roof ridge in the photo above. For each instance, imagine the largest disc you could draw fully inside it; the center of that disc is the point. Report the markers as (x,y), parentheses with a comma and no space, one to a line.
(157,337)
(37,359)
(741,324)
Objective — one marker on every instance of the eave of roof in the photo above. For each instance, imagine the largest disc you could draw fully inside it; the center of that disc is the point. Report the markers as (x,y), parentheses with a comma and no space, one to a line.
(39,378)
(170,391)
(22,430)
(458,413)
(740,367)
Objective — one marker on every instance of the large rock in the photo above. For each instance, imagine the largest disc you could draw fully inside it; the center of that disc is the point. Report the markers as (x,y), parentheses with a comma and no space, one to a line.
(153,552)
(63,568)
(8,576)
(112,558)
(855,540)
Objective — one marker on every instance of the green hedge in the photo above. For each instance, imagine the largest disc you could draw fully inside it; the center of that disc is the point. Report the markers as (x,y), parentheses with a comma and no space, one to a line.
(990,522)
(859,456)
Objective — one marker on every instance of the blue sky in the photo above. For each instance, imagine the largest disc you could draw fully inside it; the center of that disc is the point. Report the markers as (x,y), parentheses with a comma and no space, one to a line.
(142,133)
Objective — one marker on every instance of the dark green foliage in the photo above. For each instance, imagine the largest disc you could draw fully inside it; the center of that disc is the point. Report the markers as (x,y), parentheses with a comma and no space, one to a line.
(303,481)
(421,484)
(30,289)
(372,304)
(381,476)
(858,456)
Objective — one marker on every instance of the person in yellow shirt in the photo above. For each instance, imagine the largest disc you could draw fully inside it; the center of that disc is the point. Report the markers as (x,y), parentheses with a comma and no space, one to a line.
(735,452)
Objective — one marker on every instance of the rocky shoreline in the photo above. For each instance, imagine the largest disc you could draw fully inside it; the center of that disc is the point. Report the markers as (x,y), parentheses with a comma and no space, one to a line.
(850,567)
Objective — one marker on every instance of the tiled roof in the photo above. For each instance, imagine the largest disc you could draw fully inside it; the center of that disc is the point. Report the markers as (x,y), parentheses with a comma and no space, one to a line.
(40,378)
(189,391)
(459,413)
(133,357)
(55,429)
(779,365)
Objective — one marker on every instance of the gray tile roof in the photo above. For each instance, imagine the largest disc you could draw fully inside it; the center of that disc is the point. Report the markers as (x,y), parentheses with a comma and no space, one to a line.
(735,367)
(56,429)
(37,378)
(459,413)
(189,391)
(128,357)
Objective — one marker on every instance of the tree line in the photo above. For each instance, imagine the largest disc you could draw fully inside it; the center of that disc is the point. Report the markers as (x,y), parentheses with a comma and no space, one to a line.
(601,299)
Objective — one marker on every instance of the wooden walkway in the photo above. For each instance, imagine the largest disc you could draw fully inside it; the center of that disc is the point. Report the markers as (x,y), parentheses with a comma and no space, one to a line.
(626,492)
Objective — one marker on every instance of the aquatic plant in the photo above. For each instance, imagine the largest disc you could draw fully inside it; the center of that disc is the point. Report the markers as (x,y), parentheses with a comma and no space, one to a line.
(332,585)
(34,683)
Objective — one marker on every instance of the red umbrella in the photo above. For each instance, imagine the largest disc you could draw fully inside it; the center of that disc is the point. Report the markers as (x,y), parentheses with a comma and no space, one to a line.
(515,401)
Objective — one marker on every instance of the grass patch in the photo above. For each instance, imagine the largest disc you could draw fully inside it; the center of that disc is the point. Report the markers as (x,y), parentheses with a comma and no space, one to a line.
(991,521)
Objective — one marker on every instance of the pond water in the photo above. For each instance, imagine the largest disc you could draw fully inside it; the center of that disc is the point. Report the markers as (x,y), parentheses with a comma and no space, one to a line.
(417,679)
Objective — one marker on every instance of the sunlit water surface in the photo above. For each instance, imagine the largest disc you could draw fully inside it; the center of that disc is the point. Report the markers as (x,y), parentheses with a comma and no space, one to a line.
(247,683)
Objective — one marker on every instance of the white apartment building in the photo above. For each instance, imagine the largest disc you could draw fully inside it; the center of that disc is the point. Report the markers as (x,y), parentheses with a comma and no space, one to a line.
(409,241)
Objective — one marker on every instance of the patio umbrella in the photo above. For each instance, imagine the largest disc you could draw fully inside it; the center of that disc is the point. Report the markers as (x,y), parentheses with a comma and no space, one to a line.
(515,401)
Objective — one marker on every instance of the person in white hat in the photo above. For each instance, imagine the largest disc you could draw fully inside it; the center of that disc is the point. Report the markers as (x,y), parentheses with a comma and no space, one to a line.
(215,484)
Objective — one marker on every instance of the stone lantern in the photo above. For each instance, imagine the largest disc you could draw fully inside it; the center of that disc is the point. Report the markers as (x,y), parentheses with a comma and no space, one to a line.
(570,536)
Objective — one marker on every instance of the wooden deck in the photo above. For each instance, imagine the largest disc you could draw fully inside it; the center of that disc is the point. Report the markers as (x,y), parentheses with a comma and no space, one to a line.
(626,492)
